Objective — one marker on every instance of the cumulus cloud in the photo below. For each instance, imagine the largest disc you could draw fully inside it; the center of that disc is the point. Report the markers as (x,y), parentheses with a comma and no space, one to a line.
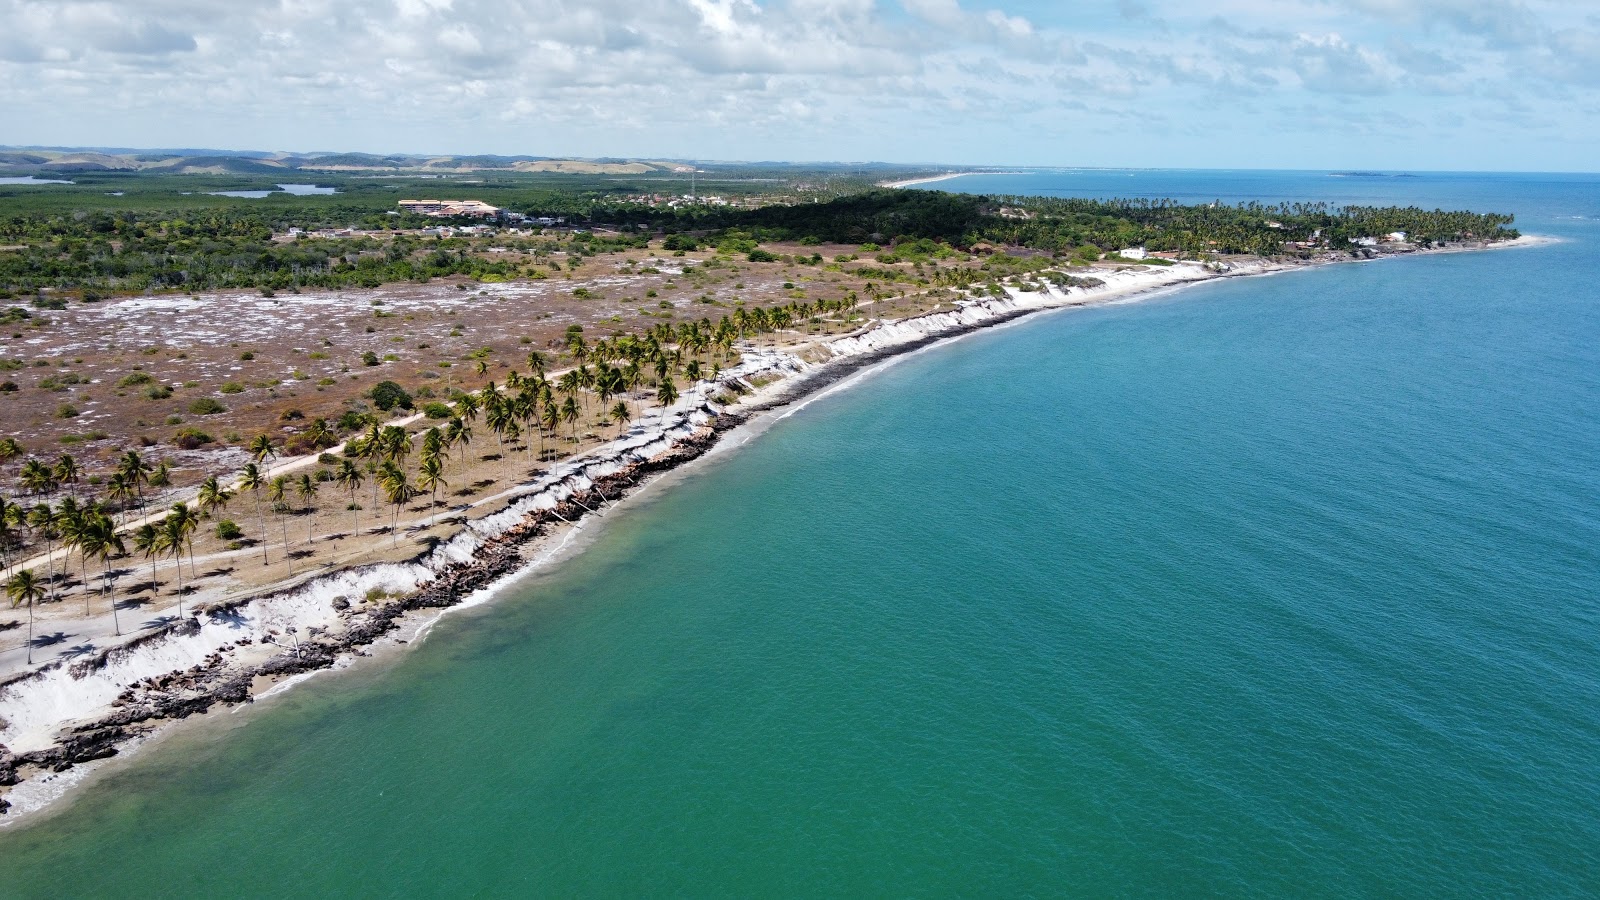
(831,78)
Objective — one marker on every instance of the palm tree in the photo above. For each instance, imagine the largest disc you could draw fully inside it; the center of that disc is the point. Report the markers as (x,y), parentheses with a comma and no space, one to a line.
(667,393)
(399,492)
(120,489)
(42,519)
(262,450)
(90,541)
(213,496)
(188,523)
(70,526)
(66,472)
(9,450)
(306,487)
(147,540)
(105,543)
(622,415)
(430,477)
(10,514)
(253,481)
(551,418)
(136,470)
(172,539)
(278,493)
(37,477)
(24,588)
(349,477)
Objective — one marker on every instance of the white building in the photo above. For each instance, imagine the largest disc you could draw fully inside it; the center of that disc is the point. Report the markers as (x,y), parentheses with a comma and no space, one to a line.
(1132,253)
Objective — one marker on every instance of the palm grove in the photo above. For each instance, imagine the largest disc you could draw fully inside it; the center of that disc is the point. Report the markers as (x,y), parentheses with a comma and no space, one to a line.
(531,418)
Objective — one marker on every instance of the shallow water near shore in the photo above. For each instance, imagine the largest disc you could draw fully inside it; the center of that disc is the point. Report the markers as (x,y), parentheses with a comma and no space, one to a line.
(1277,586)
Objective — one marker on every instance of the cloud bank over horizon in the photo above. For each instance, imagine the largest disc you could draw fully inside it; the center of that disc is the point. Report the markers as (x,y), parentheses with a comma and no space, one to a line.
(1418,84)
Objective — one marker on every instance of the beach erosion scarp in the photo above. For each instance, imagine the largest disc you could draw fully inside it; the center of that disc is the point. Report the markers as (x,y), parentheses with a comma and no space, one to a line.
(64,714)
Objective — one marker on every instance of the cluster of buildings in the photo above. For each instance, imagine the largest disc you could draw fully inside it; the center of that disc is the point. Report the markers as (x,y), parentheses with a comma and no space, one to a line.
(447,209)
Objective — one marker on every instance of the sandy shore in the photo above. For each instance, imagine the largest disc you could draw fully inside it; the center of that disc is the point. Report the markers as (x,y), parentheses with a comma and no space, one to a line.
(57,717)
(912,182)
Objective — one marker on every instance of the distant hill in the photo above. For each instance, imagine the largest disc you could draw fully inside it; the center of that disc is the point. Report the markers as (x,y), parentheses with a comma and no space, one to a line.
(217,162)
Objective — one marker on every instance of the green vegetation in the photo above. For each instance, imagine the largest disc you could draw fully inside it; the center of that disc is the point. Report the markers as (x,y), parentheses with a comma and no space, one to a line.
(387,395)
(141,231)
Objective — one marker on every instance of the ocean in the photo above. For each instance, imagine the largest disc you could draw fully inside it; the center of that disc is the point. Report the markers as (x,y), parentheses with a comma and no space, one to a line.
(1280,586)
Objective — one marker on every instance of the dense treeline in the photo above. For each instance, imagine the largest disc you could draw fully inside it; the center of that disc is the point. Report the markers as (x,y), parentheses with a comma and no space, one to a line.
(1063,224)
(234,247)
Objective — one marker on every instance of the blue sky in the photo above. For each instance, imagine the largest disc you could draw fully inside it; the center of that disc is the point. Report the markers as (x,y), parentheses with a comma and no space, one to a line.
(1391,84)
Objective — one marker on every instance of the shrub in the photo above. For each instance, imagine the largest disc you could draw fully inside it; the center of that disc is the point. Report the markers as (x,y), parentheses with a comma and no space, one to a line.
(66,411)
(353,420)
(369,358)
(247,356)
(135,378)
(232,387)
(438,410)
(759,255)
(206,406)
(159,392)
(191,438)
(8,387)
(229,530)
(387,395)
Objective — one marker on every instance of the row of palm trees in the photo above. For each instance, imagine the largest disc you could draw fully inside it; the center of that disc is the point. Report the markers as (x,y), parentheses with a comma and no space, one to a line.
(610,370)
(88,529)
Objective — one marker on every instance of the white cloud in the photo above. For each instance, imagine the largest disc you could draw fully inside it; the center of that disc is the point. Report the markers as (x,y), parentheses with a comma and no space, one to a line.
(911,79)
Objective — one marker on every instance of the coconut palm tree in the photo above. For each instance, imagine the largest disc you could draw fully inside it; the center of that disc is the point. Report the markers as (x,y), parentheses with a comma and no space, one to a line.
(172,538)
(161,475)
(261,450)
(37,477)
(430,477)
(147,540)
(11,515)
(213,496)
(120,490)
(136,470)
(348,476)
(70,527)
(188,523)
(667,393)
(105,543)
(66,472)
(253,481)
(622,415)
(25,588)
(306,487)
(42,519)
(10,451)
(569,414)
(399,491)
(278,494)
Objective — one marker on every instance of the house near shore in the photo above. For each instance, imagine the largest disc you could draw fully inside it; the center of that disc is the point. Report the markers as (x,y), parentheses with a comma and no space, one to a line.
(446,209)
(1132,253)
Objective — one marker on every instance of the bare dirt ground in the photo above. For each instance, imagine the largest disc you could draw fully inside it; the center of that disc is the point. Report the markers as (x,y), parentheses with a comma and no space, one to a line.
(135,371)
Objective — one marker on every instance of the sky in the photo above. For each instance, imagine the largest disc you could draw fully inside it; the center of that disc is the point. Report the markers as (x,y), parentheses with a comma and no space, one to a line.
(1298,84)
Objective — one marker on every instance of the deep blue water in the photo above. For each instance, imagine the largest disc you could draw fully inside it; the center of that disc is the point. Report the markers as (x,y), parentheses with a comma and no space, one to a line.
(1273,587)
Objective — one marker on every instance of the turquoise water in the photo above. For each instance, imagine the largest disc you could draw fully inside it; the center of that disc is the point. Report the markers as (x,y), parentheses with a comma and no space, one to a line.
(1279,586)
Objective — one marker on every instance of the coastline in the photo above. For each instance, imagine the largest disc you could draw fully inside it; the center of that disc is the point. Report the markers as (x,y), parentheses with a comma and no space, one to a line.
(935,179)
(62,716)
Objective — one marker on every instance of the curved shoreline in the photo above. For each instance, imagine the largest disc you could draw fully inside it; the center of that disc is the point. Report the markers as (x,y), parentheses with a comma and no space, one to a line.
(489,553)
